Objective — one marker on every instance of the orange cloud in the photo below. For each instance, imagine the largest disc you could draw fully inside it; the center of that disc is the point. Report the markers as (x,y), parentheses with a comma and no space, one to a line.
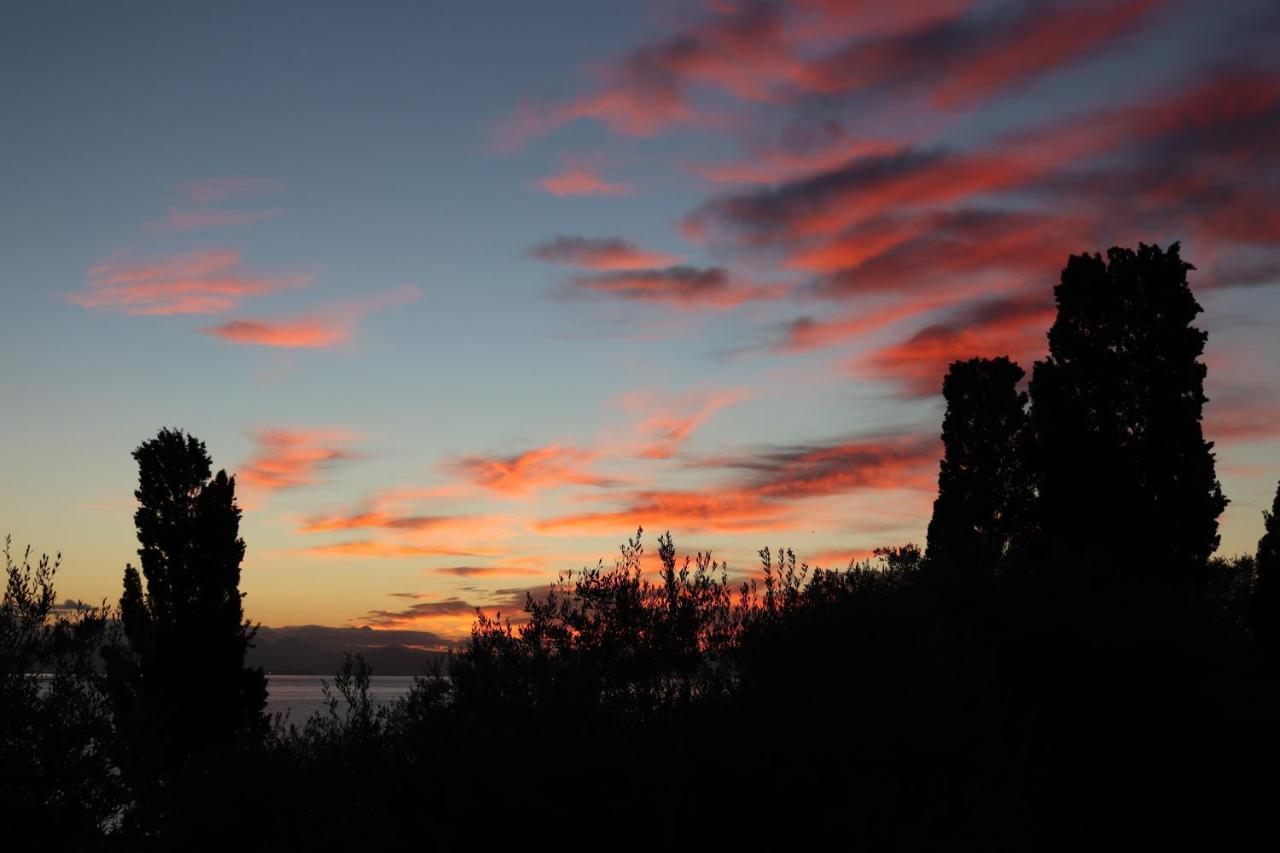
(609,253)
(289,458)
(307,333)
(695,512)
(324,329)
(547,467)
(202,282)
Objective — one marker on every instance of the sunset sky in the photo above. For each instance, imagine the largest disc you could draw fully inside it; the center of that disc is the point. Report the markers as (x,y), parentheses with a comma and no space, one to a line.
(463,293)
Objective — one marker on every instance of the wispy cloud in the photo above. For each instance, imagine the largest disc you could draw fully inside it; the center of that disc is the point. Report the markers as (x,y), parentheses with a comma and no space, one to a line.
(397,550)
(201,282)
(324,328)
(217,189)
(191,220)
(579,178)
(668,421)
(598,253)
(685,286)
(549,467)
(770,489)
(486,571)
(289,458)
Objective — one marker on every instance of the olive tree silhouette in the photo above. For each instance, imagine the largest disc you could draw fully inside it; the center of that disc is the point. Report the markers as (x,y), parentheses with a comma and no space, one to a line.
(984,489)
(1265,610)
(177,676)
(1125,475)
(54,720)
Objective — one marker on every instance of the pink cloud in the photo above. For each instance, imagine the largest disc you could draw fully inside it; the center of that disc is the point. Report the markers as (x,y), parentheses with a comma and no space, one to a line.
(201,282)
(579,179)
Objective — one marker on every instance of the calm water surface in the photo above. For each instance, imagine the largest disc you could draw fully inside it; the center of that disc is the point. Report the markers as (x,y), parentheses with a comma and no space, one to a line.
(300,695)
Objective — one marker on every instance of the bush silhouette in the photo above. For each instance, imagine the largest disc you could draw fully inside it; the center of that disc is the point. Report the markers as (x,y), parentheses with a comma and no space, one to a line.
(55,728)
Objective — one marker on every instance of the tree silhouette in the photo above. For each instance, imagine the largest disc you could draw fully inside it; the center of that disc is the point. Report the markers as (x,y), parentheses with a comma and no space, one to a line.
(1265,615)
(54,721)
(178,680)
(1125,474)
(984,491)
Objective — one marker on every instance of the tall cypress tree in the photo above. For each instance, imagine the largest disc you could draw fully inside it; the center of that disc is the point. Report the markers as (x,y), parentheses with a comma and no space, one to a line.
(1265,609)
(178,678)
(1125,475)
(984,492)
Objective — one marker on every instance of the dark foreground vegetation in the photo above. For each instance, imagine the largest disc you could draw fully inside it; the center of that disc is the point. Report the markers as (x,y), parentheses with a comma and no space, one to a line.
(1066,664)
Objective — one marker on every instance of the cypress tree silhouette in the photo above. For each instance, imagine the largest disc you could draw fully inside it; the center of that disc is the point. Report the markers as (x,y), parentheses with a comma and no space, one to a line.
(1265,610)
(178,680)
(1125,475)
(984,491)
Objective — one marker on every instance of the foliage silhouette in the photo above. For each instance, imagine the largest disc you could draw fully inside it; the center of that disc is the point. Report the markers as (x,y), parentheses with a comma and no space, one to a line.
(1040,677)
(1124,472)
(55,727)
(985,493)
(1265,615)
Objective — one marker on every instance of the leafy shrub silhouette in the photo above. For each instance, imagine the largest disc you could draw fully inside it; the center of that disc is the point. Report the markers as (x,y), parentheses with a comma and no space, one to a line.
(55,728)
